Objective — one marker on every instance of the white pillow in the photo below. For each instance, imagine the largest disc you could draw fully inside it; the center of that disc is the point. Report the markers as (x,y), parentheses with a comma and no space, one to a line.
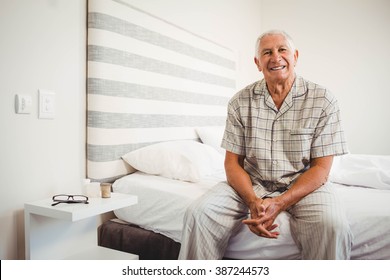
(371,171)
(185,160)
(212,136)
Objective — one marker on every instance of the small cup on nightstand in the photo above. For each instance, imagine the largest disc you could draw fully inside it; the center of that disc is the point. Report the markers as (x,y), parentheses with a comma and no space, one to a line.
(105,189)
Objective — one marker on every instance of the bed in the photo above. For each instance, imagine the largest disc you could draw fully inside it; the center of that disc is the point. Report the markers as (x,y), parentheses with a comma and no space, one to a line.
(362,182)
(156,109)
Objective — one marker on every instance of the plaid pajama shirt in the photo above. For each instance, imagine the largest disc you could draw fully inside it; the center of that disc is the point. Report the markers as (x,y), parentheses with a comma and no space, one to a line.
(278,144)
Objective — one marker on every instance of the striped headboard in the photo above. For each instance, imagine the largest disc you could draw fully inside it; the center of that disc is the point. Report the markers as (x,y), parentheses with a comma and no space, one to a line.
(148,81)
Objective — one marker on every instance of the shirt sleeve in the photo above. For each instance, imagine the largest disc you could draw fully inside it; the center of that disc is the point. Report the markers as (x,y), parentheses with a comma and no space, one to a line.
(329,138)
(234,136)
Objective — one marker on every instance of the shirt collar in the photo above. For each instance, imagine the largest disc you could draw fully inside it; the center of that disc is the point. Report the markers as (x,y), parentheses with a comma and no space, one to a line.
(299,88)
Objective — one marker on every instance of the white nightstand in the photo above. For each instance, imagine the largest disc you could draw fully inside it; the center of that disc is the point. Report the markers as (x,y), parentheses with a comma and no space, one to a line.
(68,231)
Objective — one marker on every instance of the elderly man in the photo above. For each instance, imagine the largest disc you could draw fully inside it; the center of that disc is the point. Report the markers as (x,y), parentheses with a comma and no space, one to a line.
(281,135)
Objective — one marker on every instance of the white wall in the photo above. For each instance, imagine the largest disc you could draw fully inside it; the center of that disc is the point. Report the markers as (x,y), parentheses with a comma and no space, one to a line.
(344,45)
(43,45)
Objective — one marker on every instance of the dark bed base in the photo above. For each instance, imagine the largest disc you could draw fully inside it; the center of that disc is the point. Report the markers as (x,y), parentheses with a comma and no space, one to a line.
(130,238)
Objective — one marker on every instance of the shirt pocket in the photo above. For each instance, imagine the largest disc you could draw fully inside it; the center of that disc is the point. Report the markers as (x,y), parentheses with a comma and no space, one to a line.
(302,131)
(300,146)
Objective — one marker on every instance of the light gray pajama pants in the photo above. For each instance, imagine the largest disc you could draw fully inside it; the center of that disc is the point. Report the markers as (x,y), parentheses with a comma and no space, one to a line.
(318,224)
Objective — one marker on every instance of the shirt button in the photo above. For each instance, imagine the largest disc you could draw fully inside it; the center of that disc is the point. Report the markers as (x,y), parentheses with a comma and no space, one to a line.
(274,162)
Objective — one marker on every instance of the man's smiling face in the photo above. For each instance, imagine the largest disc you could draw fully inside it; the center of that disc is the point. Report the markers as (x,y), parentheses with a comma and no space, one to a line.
(276,58)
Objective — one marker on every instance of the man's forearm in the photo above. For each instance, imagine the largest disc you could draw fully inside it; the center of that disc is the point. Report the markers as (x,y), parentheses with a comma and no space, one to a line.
(239,180)
(309,181)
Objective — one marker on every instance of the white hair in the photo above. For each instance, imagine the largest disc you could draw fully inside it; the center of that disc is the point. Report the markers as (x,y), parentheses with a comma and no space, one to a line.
(273,32)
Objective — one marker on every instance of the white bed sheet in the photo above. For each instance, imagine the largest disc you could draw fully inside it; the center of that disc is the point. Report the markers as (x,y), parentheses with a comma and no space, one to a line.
(162,203)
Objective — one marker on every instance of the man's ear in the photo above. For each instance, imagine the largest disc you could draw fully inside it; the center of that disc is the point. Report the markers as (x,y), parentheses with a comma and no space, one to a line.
(296,54)
(257,62)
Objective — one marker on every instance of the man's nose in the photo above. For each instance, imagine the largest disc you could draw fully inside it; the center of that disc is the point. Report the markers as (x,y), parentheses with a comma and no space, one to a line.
(275,56)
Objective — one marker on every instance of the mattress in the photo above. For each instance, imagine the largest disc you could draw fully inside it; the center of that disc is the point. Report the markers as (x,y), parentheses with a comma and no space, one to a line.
(163,202)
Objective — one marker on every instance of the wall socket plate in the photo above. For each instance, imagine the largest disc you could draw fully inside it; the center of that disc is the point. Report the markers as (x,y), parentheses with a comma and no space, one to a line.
(23,104)
(47,104)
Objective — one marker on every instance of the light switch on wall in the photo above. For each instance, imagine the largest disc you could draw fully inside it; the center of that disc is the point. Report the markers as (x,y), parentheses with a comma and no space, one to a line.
(47,104)
(23,104)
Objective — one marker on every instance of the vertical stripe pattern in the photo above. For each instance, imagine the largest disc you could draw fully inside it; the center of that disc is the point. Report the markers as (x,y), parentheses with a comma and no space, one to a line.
(148,81)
